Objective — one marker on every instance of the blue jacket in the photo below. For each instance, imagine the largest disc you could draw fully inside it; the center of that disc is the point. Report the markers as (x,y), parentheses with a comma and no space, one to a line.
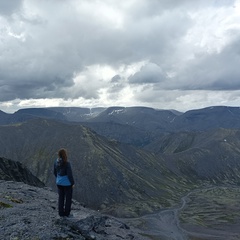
(63,173)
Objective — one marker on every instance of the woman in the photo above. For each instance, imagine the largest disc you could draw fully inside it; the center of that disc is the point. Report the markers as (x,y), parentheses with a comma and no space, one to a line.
(65,183)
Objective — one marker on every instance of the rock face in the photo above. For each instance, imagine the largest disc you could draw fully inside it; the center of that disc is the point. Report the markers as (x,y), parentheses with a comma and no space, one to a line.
(11,170)
(28,212)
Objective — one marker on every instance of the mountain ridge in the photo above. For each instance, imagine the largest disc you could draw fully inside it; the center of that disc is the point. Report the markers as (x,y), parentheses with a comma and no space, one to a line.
(152,121)
(109,175)
(112,175)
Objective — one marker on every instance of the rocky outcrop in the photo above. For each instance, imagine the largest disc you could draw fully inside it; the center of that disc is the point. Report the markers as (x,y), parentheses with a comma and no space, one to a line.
(28,212)
(15,171)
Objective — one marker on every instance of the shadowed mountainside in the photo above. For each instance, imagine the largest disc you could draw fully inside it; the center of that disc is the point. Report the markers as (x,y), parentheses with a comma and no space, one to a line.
(212,155)
(14,171)
(110,176)
(209,118)
(122,132)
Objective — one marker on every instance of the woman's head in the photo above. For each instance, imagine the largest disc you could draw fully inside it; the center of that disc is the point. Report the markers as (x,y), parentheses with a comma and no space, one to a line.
(62,153)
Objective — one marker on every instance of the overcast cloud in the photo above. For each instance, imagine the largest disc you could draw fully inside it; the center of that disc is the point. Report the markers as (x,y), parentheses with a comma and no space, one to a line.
(179,54)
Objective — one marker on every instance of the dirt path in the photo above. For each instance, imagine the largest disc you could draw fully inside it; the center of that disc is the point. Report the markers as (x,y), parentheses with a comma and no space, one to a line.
(163,225)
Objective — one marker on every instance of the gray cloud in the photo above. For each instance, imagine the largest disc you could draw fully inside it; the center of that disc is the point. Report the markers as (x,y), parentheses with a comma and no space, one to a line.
(9,7)
(148,74)
(143,9)
(46,45)
(44,57)
(115,87)
(216,71)
(116,79)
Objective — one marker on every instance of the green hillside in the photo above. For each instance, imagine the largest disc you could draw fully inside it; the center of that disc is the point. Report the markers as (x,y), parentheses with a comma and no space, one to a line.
(110,176)
(118,178)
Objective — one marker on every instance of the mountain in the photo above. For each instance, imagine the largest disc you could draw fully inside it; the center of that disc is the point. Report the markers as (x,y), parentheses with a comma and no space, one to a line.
(118,178)
(133,125)
(185,168)
(71,114)
(208,118)
(23,115)
(211,155)
(15,171)
(4,118)
(147,125)
(141,126)
(121,132)
(148,119)
(111,176)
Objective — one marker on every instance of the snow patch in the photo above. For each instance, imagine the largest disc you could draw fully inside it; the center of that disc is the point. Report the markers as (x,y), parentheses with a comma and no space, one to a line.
(116,112)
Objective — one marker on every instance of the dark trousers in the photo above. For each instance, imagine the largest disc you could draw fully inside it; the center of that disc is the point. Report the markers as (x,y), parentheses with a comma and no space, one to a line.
(64,200)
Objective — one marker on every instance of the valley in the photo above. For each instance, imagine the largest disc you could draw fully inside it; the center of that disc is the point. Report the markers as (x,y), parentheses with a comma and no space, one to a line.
(203,214)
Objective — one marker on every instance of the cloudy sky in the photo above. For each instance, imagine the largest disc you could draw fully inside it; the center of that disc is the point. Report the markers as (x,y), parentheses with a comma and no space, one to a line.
(166,54)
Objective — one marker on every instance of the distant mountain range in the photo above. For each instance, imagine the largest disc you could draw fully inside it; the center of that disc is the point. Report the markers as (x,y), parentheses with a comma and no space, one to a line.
(128,161)
(147,122)
(149,118)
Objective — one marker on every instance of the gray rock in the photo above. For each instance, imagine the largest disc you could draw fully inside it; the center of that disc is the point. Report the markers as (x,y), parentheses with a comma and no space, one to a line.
(28,212)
